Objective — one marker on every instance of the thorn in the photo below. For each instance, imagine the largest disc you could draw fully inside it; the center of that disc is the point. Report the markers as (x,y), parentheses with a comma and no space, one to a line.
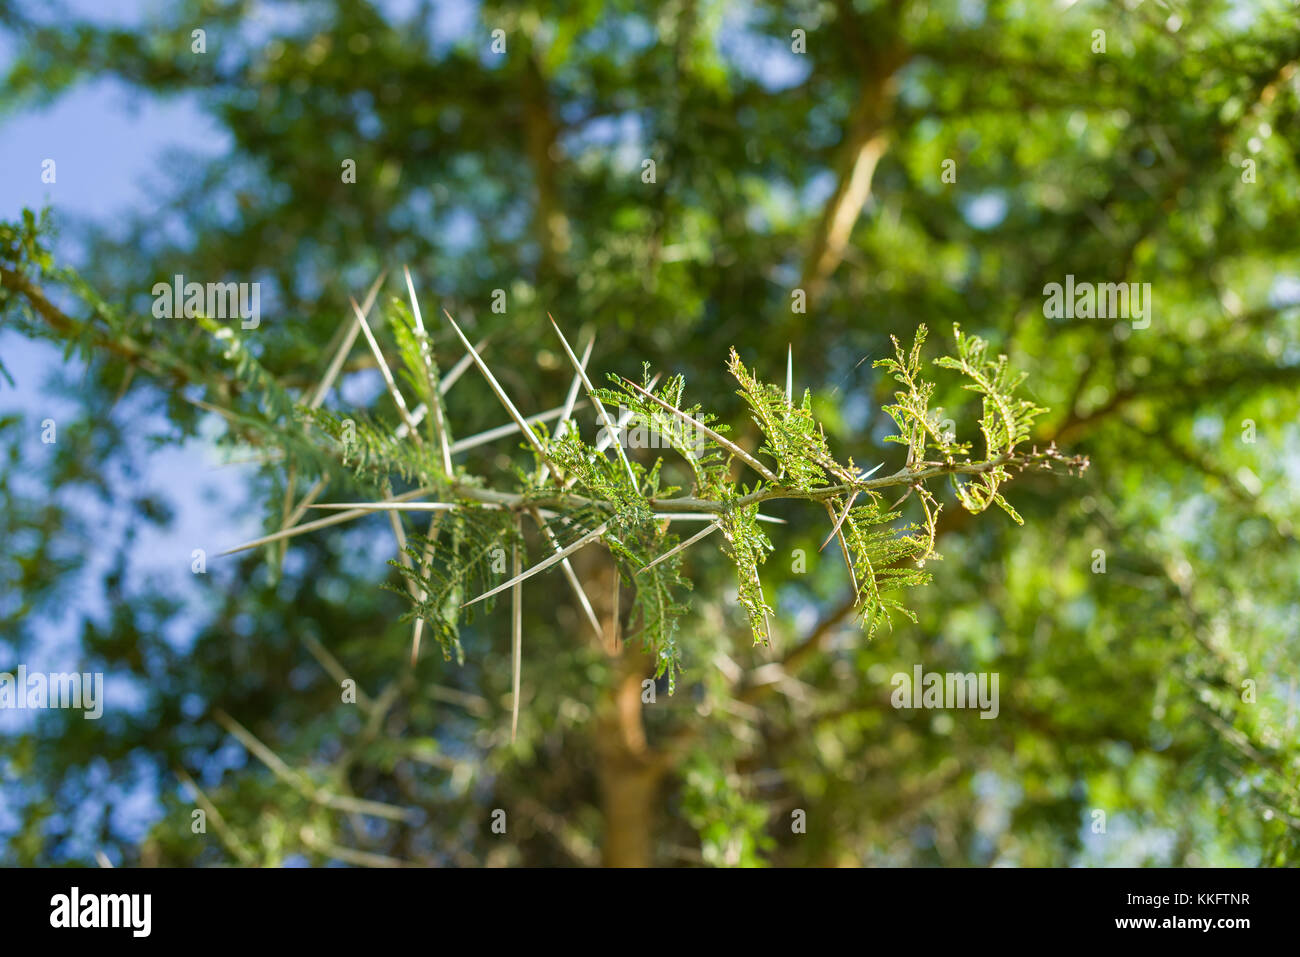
(680,546)
(354,512)
(394,506)
(696,424)
(336,364)
(543,565)
(600,407)
(439,425)
(569,400)
(386,372)
(500,392)
(789,375)
(501,431)
(836,530)
(583,601)
(463,363)
(616,612)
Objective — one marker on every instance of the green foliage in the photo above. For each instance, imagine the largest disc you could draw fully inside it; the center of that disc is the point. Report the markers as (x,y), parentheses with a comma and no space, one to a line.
(1006,423)
(371,448)
(791,436)
(918,426)
(729,821)
(877,554)
(659,599)
(451,565)
(599,477)
(1167,160)
(709,467)
(747,547)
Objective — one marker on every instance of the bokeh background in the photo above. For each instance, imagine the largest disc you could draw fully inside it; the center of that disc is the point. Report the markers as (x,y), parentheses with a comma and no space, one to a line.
(1148,712)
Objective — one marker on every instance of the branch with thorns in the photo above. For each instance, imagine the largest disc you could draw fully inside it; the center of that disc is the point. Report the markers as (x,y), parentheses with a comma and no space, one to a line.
(577,494)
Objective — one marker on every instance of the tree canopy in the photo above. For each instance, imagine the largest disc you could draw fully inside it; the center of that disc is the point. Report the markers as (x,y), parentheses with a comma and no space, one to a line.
(714,194)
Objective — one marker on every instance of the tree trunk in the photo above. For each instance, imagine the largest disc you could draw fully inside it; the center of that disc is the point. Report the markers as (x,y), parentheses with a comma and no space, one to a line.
(629,771)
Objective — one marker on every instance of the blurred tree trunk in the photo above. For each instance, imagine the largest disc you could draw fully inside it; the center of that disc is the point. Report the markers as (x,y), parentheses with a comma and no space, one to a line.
(629,771)
(866,136)
(541,140)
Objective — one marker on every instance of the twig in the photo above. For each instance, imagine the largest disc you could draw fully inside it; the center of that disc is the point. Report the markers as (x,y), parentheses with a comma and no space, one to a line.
(332,668)
(300,783)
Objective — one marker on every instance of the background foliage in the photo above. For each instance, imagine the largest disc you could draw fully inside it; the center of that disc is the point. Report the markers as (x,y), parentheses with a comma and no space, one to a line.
(1121,691)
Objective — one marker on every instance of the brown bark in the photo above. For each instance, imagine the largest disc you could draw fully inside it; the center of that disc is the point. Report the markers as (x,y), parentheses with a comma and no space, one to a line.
(628,769)
(866,138)
(866,144)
